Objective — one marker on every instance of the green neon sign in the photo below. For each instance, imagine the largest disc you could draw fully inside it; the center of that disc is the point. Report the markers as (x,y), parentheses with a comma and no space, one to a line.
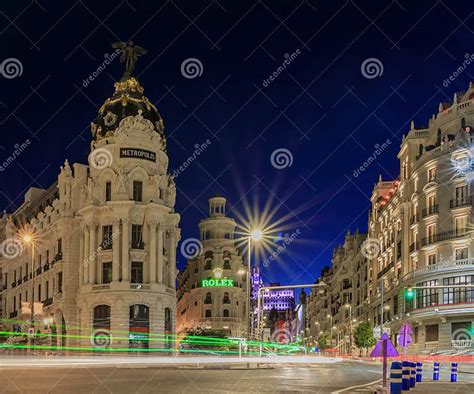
(217,283)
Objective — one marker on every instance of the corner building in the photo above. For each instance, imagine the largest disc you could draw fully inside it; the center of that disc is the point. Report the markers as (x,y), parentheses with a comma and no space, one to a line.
(105,259)
(422,224)
(212,289)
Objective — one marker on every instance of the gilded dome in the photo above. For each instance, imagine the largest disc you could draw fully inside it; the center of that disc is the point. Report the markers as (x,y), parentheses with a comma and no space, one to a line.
(127,100)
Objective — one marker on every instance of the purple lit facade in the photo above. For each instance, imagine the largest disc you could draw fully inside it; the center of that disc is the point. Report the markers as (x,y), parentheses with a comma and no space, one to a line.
(282,300)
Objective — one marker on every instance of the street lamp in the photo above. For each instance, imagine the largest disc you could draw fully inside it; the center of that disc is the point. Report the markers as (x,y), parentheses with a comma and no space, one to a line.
(349,306)
(255,235)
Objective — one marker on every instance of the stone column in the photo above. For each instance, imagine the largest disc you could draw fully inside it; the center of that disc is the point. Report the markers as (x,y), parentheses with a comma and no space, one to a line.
(85,262)
(81,259)
(93,253)
(116,252)
(160,254)
(125,250)
(172,259)
(152,258)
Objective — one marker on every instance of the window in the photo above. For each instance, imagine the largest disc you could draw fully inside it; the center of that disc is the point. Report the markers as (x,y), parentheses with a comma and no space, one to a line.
(431,259)
(431,202)
(432,333)
(39,292)
(60,246)
(431,174)
(427,297)
(226,313)
(137,272)
(460,194)
(137,242)
(431,233)
(226,299)
(60,282)
(108,191)
(106,237)
(461,253)
(208,264)
(227,264)
(208,299)
(47,290)
(107,272)
(137,191)
(101,317)
(460,225)
(208,313)
(458,295)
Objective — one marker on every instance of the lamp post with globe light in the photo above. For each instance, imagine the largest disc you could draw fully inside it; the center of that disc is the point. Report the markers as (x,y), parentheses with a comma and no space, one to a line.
(28,240)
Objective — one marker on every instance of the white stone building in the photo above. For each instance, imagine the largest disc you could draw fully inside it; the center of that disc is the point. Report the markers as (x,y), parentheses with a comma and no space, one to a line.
(212,289)
(105,237)
(422,223)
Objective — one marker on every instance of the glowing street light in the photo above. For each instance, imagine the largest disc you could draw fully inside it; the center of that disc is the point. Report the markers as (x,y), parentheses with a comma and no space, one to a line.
(29,239)
(256,235)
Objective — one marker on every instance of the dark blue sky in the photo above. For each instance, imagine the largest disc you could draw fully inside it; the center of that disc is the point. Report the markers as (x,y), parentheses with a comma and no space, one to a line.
(321,108)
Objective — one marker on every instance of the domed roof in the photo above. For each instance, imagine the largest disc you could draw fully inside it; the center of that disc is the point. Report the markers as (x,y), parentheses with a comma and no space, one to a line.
(128,100)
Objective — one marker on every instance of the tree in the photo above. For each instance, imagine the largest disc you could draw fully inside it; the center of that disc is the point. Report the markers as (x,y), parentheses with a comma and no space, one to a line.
(323,340)
(364,336)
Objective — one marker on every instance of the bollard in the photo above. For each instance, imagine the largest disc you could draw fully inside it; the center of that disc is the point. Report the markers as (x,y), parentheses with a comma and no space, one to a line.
(419,371)
(396,377)
(436,371)
(454,372)
(405,375)
(412,374)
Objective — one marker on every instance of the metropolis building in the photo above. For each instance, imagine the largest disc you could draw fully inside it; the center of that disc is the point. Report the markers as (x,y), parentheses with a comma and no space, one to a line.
(105,237)
(420,234)
(212,288)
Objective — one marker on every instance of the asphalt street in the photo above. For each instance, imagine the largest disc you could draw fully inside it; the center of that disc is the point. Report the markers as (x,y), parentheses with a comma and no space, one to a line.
(141,378)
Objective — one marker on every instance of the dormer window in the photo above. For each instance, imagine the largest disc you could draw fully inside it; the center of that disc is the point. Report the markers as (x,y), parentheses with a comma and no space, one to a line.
(431,174)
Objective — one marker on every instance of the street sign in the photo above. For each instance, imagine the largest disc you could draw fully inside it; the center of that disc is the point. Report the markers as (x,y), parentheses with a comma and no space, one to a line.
(378,351)
(405,338)
(377,332)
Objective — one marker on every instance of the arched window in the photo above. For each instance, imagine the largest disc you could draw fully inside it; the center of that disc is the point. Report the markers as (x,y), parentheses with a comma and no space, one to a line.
(102,317)
(226,313)
(227,263)
(139,323)
(208,313)
(208,260)
(208,299)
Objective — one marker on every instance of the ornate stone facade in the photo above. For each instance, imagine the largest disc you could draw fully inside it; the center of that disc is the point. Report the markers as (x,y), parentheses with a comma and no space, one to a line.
(222,303)
(106,236)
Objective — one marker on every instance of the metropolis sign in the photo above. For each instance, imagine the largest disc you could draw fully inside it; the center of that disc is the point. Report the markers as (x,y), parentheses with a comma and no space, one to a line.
(217,283)
(137,154)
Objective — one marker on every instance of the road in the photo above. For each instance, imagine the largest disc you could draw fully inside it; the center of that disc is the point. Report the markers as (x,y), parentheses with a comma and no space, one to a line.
(322,378)
(82,375)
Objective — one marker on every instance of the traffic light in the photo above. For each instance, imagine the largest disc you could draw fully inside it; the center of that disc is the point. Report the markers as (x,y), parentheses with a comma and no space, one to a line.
(409,293)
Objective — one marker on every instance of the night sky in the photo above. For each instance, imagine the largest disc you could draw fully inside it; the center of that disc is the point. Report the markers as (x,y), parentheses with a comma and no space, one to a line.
(320,108)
